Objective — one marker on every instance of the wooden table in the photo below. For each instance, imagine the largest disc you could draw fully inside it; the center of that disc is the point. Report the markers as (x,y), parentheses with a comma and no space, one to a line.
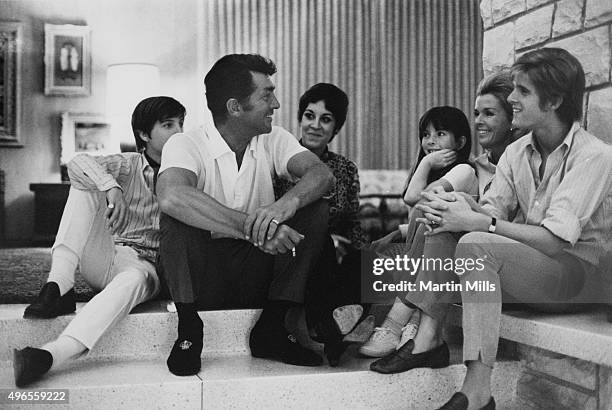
(49,202)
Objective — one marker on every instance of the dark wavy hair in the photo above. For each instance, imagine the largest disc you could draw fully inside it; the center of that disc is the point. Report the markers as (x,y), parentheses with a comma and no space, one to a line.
(335,100)
(449,119)
(149,111)
(230,77)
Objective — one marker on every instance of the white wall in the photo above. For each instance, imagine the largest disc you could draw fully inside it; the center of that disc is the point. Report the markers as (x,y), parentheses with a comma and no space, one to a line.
(161,32)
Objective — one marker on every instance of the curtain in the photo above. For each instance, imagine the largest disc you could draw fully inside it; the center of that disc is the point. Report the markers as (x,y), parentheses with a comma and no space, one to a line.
(394,59)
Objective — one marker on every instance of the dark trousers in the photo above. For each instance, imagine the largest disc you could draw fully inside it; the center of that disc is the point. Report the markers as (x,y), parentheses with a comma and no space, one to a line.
(333,284)
(232,273)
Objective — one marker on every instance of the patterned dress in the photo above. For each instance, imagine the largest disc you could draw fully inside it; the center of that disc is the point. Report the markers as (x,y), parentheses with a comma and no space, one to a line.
(343,198)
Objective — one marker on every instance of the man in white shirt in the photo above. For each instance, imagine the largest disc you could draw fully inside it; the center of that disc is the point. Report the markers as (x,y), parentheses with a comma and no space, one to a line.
(226,242)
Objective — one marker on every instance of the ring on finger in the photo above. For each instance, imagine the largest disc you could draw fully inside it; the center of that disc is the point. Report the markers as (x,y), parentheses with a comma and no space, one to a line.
(274,221)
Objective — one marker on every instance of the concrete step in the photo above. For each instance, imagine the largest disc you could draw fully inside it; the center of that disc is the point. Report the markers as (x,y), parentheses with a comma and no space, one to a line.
(127,369)
(239,381)
(146,333)
(584,335)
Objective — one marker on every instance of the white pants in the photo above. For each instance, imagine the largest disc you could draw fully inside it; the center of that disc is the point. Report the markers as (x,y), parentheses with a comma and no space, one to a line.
(125,279)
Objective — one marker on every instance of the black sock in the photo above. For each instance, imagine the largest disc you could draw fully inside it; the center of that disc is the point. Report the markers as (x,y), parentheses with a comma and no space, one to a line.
(190,323)
(275,311)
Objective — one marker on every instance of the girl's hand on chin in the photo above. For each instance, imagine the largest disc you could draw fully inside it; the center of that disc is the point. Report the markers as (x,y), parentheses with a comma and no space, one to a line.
(441,159)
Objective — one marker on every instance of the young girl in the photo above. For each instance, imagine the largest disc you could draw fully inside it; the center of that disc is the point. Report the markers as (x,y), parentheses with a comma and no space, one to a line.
(442,163)
(443,159)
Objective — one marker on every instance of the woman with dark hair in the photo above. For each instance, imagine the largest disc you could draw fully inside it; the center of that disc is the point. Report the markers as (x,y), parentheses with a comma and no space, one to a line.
(322,112)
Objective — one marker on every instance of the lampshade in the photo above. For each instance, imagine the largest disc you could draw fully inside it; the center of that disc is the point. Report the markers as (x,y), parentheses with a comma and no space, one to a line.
(126,86)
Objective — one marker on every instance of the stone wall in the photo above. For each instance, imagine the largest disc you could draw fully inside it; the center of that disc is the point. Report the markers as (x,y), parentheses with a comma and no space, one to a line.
(555,381)
(583,27)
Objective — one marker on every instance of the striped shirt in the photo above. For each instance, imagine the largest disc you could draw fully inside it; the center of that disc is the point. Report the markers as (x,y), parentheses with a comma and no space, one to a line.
(135,177)
(573,199)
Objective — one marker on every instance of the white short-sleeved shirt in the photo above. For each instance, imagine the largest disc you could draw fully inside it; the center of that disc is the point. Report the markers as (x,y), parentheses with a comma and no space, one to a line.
(462,178)
(205,153)
(485,170)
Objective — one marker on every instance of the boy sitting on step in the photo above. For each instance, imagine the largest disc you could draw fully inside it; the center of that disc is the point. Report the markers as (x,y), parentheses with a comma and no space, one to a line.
(110,228)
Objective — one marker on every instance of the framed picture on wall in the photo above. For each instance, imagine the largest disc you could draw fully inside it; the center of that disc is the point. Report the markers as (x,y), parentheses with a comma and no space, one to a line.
(85,133)
(10,80)
(67,60)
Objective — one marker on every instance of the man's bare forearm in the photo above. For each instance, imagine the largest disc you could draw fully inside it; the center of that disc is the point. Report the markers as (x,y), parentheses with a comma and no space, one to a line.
(312,186)
(197,209)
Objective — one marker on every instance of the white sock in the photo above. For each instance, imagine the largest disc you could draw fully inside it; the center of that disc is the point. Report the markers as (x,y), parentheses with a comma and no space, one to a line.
(398,316)
(64,348)
(63,266)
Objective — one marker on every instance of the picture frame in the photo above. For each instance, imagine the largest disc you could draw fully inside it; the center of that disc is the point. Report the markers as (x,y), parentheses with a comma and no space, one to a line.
(10,84)
(67,60)
(85,133)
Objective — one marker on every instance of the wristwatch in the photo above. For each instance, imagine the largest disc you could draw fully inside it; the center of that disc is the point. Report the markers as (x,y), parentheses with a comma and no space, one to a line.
(493,225)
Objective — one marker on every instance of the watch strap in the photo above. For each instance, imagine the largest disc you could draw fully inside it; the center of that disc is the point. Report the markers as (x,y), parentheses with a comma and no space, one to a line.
(493,225)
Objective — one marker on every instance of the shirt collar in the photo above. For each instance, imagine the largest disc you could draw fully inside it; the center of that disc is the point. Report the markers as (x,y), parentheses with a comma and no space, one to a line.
(484,162)
(569,138)
(218,146)
(144,163)
(148,172)
(567,141)
(484,158)
(149,161)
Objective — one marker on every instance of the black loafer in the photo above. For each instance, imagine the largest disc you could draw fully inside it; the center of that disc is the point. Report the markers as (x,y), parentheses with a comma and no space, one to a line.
(50,304)
(184,359)
(333,351)
(30,364)
(274,342)
(403,360)
(459,401)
